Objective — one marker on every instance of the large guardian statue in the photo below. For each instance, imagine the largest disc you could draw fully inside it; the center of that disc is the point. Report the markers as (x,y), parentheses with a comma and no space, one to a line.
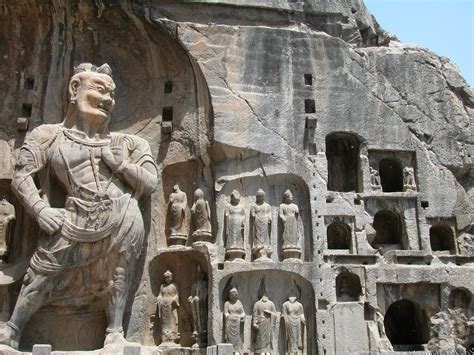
(91,182)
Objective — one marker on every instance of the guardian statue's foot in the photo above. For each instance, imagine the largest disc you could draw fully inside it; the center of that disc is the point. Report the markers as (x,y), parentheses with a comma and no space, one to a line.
(8,336)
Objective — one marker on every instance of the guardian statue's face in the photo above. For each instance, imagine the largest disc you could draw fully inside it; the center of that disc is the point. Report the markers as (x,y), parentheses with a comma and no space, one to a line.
(94,95)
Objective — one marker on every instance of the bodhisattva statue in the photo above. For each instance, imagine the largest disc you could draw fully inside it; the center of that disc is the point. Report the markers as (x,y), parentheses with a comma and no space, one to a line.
(234,222)
(375,179)
(292,313)
(263,320)
(198,302)
(261,215)
(201,217)
(234,317)
(168,303)
(178,204)
(409,179)
(7,215)
(96,229)
(289,214)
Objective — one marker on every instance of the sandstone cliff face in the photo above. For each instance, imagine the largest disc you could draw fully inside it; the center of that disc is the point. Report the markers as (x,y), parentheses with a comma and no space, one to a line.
(261,93)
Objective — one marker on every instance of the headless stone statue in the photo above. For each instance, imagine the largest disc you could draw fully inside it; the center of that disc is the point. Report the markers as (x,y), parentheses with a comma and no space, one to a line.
(375,179)
(96,236)
(292,313)
(234,222)
(201,217)
(261,214)
(289,214)
(198,302)
(263,321)
(178,204)
(167,307)
(409,179)
(7,215)
(234,316)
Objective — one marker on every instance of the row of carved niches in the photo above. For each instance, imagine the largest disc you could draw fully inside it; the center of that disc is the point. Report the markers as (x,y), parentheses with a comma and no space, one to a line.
(389,171)
(179,282)
(265,219)
(268,311)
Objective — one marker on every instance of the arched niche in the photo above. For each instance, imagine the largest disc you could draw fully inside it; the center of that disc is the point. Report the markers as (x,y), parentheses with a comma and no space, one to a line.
(338,236)
(442,238)
(460,298)
(389,230)
(391,175)
(342,153)
(278,286)
(406,325)
(187,267)
(274,187)
(348,287)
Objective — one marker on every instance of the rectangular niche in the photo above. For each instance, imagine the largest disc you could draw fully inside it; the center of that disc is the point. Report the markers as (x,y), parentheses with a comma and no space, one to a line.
(395,171)
(340,235)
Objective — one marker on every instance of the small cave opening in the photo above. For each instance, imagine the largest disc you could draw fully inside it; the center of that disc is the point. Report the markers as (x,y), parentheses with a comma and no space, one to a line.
(442,238)
(342,153)
(459,299)
(391,175)
(348,287)
(388,228)
(339,236)
(406,326)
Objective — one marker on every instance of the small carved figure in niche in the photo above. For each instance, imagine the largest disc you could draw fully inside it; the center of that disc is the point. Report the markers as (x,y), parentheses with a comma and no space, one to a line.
(7,215)
(234,317)
(263,320)
(235,222)
(168,303)
(97,234)
(201,217)
(465,243)
(178,204)
(409,179)
(375,179)
(198,302)
(292,313)
(289,214)
(261,214)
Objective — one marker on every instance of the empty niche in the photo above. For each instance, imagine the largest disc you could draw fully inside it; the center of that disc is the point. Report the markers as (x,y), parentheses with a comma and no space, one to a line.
(338,236)
(442,238)
(406,325)
(309,106)
(187,268)
(278,286)
(342,153)
(348,287)
(391,175)
(388,228)
(459,298)
(308,79)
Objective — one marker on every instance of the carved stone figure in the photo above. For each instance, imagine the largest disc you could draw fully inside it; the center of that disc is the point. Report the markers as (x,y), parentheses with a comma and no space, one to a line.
(234,316)
(292,313)
(97,233)
(168,303)
(201,217)
(7,215)
(409,179)
(375,179)
(261,214)
(263,320)
(289,214)
(178,204)
(198,302)
(235,222)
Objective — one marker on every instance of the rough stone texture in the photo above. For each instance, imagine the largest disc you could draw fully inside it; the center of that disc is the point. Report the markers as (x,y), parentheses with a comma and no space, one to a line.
(257,88)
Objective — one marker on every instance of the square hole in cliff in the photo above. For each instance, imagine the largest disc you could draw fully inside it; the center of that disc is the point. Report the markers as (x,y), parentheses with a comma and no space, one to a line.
(308,79)
(26,110)
(168,87)
(167,114)
(29,83)
(309,106)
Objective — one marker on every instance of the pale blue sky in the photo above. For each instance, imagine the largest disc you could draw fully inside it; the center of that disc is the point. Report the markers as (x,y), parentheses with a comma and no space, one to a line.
(444,26)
